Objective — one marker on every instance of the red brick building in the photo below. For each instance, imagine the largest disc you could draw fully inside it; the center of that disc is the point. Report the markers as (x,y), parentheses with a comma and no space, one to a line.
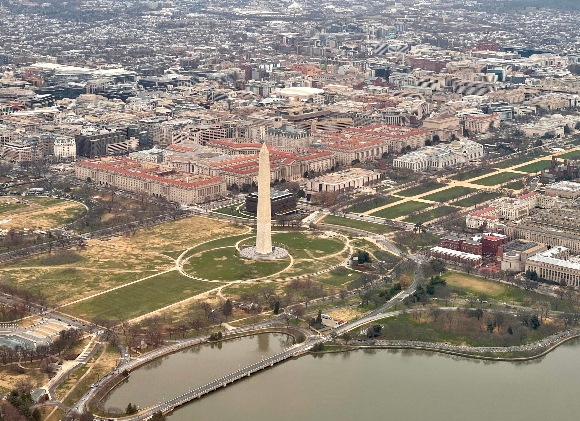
(491,243)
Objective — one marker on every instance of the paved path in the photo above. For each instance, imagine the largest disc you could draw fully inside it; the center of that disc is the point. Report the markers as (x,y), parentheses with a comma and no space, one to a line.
(70,366)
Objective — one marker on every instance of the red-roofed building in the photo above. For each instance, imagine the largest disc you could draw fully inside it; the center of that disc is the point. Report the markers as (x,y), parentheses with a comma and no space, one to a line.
(486,217)
(491,243)
(152,180)
(370,142)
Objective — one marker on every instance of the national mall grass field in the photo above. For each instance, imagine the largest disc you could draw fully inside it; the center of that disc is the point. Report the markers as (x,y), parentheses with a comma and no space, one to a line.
(125,277)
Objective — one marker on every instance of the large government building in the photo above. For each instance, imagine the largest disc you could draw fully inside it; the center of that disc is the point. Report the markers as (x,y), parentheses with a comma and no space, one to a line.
(440,156)
(554,227)
(151,179)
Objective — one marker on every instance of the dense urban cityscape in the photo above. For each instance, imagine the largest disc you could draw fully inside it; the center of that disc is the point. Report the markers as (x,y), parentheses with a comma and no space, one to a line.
(280,179)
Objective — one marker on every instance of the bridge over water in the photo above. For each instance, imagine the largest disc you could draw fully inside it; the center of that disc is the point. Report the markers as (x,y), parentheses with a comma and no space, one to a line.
(197,393)
(293,351)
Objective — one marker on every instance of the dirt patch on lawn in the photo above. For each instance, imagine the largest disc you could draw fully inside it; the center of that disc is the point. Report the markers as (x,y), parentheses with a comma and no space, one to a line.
(35,216)
(347,314)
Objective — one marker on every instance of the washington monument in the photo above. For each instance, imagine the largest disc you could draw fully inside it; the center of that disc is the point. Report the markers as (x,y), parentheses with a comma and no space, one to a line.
(264,212)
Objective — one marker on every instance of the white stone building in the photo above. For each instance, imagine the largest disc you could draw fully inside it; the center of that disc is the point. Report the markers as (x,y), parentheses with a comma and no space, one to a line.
(440,156)
(65,149)
(555,265)
(567,189)
(343,180)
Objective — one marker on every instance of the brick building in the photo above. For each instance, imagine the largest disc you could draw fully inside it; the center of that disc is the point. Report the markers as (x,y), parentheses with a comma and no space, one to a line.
(151,179)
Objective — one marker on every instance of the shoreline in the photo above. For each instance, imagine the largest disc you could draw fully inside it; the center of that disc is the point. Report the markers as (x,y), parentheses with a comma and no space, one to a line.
(437,348)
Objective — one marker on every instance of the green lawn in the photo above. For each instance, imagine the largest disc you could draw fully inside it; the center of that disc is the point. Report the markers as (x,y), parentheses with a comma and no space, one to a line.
(438,212)
(354,223)
(472,174)
(60,284)
(463,284)
(423,188)
(10,206)
(375,202)
(402,209)
(534,166)
(570,155)
(309,267)
(308,246)
(221,242)
(238,210)
(223,265)
(500,178)
(476,199)
(515,185)
(519,160)
(449,194)
(140,298)
(336,279)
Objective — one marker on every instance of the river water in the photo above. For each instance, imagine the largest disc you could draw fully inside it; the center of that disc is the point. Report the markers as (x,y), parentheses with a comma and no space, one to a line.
(378,384)
(178,373)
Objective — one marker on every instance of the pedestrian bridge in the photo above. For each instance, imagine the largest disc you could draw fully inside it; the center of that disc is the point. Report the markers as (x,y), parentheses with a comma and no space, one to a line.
(170,405)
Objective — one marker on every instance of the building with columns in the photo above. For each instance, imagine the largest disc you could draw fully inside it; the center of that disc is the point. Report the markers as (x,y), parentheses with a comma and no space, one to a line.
(555,265)
(553,227)
(482,123)
(440,156)
(342,181)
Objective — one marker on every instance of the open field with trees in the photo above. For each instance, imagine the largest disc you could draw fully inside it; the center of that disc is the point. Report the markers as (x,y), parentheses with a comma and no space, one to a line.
(68,275)
(484,315)
(372,203)
(466,285)
(429,215)
(38,213)
(416,241)
(477,198)
(515,185)
(479,327)
(477,172)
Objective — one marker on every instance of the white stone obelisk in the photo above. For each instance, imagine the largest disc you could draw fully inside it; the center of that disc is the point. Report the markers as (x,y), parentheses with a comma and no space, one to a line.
(264,212)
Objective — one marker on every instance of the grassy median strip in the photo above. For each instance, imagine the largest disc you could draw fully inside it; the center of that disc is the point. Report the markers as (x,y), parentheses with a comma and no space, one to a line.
(356,224)
(496,179)
(476,199)
(399,210)
(449,194)
(570,155)
(534,166)
(429,215)
(375,202)
(420,189)
(519,160)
